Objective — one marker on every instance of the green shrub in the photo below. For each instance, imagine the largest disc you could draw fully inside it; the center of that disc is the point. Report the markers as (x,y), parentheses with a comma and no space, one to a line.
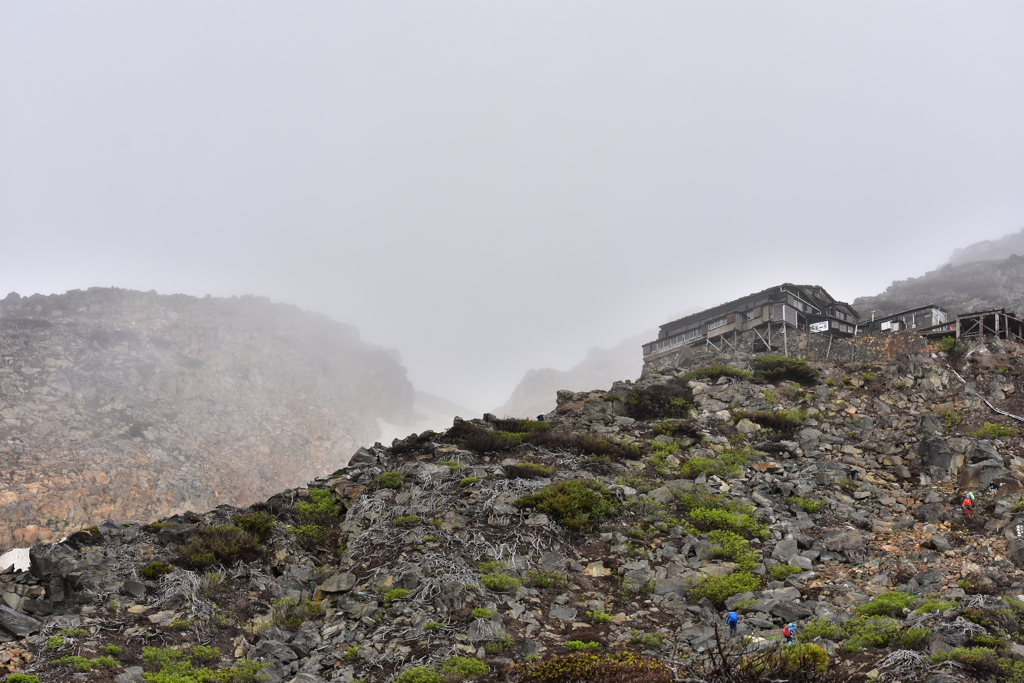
(538,578)
(452,465)
(784,422)
(914,638)
(481,613)
(707,519)
(576,504)
(595,666)
(732,546)
(521,426)
(419,674)
(222,544)
(577,645)
(496,647)
(728,463)
(781,572)
(469,481)
(979,659)
(113,650)
(992,430)
(155,570)
(800,658)
(875,632)
(599,616)
(390,480)
(934,605)
(951,346)
(527,470)
(259,524)
(480,440)
(290,612)
(54,643)
(713,372)
(203,653)
(320,508)
(649,639)
(718,588)
(678,429)
(85,664)
(395,594)
(809,505)
(772,368)
(952,419)
(463,667)
(499,583)
(848,485)
(820,628)
(406,520)
(886,605)
(673,400)
(310,536)
(22,678)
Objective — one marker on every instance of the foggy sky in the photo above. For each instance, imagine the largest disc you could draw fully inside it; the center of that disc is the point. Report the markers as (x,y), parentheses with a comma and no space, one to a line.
(493,187)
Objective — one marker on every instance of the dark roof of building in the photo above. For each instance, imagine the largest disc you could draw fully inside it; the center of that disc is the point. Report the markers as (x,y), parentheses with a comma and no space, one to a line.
(725,307)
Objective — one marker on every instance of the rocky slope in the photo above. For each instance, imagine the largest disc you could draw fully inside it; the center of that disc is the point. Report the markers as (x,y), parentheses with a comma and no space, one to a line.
(131,405)
(535,393)
(625,523)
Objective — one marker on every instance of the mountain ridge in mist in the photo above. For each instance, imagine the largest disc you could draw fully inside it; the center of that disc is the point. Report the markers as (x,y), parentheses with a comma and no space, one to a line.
(536,391)
(131,405)
(982,276)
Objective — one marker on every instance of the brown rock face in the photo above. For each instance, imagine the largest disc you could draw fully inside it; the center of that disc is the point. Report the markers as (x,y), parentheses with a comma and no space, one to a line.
(131,406)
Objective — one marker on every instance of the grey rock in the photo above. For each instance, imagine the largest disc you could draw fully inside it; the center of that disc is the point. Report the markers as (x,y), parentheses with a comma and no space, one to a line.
(785,549)
(41,607)
(132,674)
(848,542)
(18,623)
(934,452)
(553,561)
(980,475)
(928,512)
(562,613)
(790,611)
(929,424)
(733,600)
(339,583)
(802,562)
(135,589)
(1016,552)
(307,677)
(275,651)
(176,533)
(486,629)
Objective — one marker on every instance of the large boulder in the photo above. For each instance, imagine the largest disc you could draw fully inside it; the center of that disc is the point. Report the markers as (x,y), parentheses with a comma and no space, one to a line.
(934,452)
(981,474)
(847,542)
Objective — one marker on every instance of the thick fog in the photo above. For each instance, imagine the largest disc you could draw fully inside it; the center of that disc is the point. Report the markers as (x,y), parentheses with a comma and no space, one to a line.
(493,187)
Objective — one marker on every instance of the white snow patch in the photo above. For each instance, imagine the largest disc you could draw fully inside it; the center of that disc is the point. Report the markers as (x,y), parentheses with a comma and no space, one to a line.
(18,557)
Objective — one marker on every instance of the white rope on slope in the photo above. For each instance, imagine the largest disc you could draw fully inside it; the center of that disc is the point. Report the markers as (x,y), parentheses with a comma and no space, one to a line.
(1018,418)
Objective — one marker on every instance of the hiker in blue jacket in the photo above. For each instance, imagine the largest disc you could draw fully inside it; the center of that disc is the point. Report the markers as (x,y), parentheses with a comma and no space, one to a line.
(733,619)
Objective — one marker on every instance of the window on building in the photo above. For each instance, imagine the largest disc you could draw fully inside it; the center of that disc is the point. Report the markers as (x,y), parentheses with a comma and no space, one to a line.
(718,323)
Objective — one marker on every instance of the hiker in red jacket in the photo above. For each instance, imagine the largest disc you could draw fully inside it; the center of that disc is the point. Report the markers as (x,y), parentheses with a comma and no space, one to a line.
(968,503)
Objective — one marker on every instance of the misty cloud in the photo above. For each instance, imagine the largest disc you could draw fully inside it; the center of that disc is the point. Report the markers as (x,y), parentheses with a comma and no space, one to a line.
(495,187)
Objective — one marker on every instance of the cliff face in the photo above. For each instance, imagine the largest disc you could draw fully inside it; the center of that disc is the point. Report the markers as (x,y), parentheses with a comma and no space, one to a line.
(130,405)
